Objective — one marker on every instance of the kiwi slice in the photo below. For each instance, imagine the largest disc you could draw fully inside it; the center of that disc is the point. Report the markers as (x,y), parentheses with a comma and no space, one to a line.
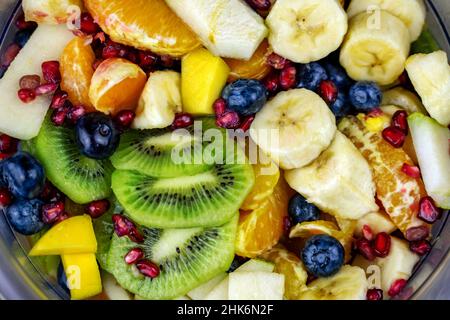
(186,257)
(80,178)
(104,229)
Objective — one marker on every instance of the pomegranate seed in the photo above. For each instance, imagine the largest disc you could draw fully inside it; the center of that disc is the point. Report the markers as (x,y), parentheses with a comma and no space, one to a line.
(136,236)
(417,233)
(365,249)
(412,171)
(50,193)
(166,61)
(367,232)
(287,224)
(147,268)
(134,255)
(228,120)
(10,54)
(7,144)
(374,113)
(75,113)
(404,80)
(374,294)
(394,136)
(428,211)
(382,244)
(147,59)
(399,120)
(48,88)
(246,123)
(4,156)
(421,247)
(59,99)
(396,287)
(219,107)
(97,208)
(26,95)
(61,218)
(51,212)
(113,49)
(50,71)
(21,24)
(272,82)
(5,197)
(87,24)
(259,4)
(276,61)
(182,120)
(328,91)
(132,56)
(30,82)
(288,78)
(124,119)
(59,116)
(124,227)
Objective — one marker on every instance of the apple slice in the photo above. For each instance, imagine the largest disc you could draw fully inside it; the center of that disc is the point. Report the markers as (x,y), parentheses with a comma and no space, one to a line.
(256,286)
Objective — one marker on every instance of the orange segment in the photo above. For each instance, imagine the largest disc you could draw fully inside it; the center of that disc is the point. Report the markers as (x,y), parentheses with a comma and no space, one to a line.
(147,25)
(255,68)
(116,85)
(76,70)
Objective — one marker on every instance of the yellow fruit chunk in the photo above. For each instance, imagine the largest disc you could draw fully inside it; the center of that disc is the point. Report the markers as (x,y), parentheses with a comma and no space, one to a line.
(83,275)
(74,235)
(203,77)
(50,11)
(116,85)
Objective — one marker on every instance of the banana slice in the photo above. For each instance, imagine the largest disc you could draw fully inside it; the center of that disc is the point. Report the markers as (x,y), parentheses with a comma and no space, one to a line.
(411,12)
(404,99)
(430,75)
(159,101)
(339,182)
(294,128)
(306,30)
(350,283)
(375,47)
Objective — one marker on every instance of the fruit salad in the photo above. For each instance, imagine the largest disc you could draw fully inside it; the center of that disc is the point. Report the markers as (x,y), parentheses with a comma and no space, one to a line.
(225,149)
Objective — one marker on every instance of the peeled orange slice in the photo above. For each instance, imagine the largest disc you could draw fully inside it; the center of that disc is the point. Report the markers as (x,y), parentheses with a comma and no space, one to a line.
(144,24)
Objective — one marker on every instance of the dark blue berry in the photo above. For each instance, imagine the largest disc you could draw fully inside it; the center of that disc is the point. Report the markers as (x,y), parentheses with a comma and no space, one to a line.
(23,175)
(341,107)
(96,135)
(365,96)
(22,37)
(25,216)
(62,278)
(2,181)
(246,97)
(323,255)
(301,210)
(338,75)
(311,75)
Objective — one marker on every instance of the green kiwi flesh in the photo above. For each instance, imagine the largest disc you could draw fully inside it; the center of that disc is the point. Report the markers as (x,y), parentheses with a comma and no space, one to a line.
(104,229)
(186,257)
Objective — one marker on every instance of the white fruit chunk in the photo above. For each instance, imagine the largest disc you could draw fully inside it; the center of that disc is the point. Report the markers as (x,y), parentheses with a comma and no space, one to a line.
(50,11)
(17,119)
(202,291)
(377,221)
(112,289)
(431,142)
(256,286)
(228,28)
(404,99)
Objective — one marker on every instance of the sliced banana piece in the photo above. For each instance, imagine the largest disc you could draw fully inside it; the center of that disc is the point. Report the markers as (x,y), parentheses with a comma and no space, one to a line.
(375,47)
(350,283)
(306,30)
(159,101)
(411,12)
(294,128)
(377,221)
(339,182)
(430,75)
(404,99)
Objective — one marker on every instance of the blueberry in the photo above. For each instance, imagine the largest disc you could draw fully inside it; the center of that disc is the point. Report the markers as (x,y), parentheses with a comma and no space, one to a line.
(311,75)
(62,278)
(301,210)
(338,75)
(22,37)
(323,255)
(25,216)
(365,96)
(341,107)
(246,97)
(2,181)
(96,135)
(23,175)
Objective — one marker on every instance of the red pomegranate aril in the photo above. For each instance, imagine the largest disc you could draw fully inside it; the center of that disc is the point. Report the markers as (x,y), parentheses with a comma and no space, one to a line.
(147,59)
(50,193)
(287,224)
(374,294)
(30,82)
(272,82)
(59,116)
(124,119)
(411,171)
(421,247)
(374,113)
(10,54)
(26,95)
(365,249)
(87,24)
(147,268)
(50,71)
(51,211)
(59,99)
(48,88)
(367,232)
(166,61)
(428,211)
(124,227)
(260,4)
(5,197)
(219,106)
(228,120)
(132,56)
(246,123)
(21,24)
(61,218)
(97,208)
(276,61)
(382,244)
(417,233)
(288,78)
(134,255)
(182,120)
(7,144)
(136,236)
(113,50)
(396,287)
(75,113)
(399,120)
(328,91)
(394,136)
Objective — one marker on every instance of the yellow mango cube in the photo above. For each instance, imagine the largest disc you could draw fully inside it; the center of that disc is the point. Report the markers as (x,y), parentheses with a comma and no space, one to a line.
(83,275)
(203,76)
(74,235)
